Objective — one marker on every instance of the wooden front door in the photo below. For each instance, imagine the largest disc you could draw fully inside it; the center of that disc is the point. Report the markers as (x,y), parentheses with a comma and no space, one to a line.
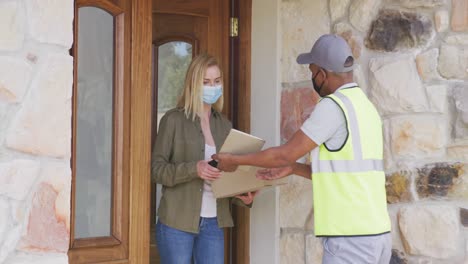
(183,29)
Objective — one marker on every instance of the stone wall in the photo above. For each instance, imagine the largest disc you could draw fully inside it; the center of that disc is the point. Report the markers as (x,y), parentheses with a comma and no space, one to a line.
(36,74)
(413,57)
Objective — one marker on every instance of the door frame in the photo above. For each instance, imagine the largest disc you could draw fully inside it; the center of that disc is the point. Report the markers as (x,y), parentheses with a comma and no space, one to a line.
(140,184)
(140,129)
(140,146)
(240,82)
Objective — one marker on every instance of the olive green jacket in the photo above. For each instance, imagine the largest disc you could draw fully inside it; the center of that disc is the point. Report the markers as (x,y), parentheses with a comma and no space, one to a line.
(179,145)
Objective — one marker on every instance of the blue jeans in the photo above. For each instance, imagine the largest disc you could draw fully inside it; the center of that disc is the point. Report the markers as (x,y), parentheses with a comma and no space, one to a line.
(180,247)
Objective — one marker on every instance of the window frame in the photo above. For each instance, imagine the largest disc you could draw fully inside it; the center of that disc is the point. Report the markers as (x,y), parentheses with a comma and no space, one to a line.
(115,246)
(154,75)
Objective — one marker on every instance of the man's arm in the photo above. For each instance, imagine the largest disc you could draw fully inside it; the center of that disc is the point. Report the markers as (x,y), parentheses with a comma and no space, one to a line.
(303,170)
(299,169)
(274,157)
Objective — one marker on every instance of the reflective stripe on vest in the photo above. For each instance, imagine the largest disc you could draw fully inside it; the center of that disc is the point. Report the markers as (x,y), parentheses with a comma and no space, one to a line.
(349,183)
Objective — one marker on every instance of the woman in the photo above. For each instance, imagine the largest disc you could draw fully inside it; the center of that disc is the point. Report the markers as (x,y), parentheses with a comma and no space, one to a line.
(191,220)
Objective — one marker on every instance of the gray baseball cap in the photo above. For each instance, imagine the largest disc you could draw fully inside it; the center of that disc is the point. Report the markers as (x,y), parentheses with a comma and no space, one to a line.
(329,52)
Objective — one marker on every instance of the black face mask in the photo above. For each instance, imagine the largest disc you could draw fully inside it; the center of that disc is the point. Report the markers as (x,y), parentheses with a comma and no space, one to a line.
(316,87)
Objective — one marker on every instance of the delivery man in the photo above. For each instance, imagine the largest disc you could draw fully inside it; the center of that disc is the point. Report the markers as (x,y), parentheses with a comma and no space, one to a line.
(344,136)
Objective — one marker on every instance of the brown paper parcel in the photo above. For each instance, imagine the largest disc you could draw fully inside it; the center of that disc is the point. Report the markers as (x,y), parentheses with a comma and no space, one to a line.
(243,179)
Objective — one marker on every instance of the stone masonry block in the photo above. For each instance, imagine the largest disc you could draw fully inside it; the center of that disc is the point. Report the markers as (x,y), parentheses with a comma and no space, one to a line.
(292,248)
(11,26)
(42,126)
(51,21)
(14,79)
(431,230)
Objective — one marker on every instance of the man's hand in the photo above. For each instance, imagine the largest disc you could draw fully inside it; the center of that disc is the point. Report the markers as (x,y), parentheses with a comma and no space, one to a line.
(247,198)
(225,162)
(274,173)
(206,171)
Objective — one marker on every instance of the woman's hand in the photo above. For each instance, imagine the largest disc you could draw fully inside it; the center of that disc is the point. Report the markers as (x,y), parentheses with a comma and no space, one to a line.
(206,171)
(247,198)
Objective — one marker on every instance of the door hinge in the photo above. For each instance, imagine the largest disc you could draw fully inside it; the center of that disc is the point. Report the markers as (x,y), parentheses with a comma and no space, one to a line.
(234,32)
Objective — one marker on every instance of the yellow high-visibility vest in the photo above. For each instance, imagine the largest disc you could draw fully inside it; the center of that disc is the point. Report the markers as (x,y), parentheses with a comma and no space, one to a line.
(349,182)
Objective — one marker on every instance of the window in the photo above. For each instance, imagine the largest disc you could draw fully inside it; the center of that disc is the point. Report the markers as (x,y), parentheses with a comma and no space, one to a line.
(100,137)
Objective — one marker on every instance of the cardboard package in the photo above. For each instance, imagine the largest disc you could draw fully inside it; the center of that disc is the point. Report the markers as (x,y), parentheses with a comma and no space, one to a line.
(243,179)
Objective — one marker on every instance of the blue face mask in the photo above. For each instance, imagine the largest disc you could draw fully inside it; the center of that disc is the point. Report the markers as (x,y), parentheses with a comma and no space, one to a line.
(211,94)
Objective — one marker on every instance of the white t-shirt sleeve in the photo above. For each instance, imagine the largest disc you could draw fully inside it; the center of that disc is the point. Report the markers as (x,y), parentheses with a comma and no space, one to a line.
(326,124)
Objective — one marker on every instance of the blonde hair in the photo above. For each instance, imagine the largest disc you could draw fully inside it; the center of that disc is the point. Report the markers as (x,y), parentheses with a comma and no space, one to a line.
(191,98)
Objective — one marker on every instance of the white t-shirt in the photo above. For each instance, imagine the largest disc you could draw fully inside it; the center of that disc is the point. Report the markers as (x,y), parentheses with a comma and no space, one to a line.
(208,206)
(327,123)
